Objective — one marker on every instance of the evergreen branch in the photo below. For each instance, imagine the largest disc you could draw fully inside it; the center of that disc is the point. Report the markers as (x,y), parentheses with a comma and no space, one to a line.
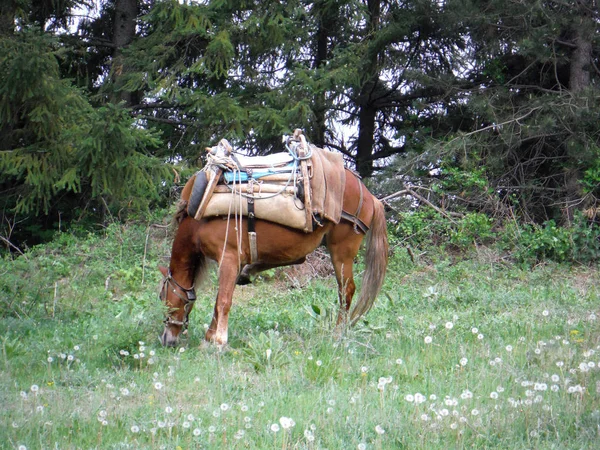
(166,121)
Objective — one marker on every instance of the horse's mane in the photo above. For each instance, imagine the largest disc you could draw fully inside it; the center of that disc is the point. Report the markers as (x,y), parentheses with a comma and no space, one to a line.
(180,214)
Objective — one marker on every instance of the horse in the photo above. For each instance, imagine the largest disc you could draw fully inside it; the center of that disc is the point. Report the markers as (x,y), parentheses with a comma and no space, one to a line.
(197,241)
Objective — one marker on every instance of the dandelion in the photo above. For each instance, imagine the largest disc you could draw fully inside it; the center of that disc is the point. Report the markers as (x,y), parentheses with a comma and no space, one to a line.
(275,428)
(158,385)
(168,410)
(196,432)
(212,429)
(319,362)
(239,434)
(399,361)
(466,394)
(364,369)
(244,408)
(454,425)
(475,412)
(135,429)
(50,359)
(76,348)
(494,395)
(463,361)
(190,417)
(554,388)
(124,391)
(428,339)
(545,313)
(23,394)
(361,446)
(474,330)
(379,429)
(186,424)
(136,356)
(286,422)
(224,406)
(419,398)
(22,447)
(39,408)
(161,424)
(509,348)
(181,349)
(480,336)
(34,388)
(409,398)
(449,325)
(424,417)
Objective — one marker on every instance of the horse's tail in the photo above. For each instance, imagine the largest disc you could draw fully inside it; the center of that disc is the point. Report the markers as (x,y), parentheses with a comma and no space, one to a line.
(376,259)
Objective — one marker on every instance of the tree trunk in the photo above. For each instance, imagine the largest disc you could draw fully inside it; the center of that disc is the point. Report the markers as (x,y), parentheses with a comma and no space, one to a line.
(123,35)
(321,57)
(367,110)
(366,139)
(8,9)
(579,76)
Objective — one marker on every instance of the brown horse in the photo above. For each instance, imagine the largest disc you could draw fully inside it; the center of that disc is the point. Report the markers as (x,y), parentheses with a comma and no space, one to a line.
(217,239)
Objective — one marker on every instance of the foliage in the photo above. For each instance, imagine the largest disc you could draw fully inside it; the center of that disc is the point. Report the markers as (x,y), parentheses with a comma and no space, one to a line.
(426,227)
(578,243)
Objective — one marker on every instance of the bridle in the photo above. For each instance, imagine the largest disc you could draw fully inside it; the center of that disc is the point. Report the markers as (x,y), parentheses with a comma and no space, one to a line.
(188,297)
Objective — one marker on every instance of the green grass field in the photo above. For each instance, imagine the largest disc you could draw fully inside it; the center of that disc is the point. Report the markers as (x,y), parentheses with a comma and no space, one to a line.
(472,353)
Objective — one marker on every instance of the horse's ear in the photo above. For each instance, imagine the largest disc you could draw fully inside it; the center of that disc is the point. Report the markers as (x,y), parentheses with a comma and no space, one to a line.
(163,270)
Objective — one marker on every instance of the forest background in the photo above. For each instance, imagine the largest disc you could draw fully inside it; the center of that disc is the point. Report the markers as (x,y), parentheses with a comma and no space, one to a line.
(475,120)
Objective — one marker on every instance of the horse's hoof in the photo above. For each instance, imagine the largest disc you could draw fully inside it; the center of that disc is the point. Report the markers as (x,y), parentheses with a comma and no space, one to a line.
(243,280)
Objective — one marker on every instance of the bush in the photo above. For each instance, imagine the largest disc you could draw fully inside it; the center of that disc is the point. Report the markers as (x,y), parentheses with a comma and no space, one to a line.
(578,243)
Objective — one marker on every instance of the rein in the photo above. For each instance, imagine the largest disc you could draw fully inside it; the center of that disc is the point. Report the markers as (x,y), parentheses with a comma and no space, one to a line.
(188,297)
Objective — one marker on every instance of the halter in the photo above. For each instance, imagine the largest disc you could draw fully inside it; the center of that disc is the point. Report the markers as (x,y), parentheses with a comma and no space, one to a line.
(188,299)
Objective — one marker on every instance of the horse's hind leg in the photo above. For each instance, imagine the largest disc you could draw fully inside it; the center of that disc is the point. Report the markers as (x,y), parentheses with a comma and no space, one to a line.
(228,273)
(343,245)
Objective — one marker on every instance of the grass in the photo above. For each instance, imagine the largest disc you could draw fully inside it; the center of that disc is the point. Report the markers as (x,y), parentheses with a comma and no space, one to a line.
(455,354)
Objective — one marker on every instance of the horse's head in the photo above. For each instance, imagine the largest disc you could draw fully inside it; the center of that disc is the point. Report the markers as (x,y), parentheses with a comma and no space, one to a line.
(179,300)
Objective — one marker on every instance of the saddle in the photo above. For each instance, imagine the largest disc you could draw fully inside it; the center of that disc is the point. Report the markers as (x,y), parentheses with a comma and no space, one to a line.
(298,188)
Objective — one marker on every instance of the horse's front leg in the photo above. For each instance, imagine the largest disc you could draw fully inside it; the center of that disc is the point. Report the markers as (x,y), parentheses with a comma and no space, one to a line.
(228,273)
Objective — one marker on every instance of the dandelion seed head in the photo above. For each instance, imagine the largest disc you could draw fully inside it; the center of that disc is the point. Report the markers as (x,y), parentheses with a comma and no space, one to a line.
(135,429)
(275,427)
(197,432)
(379,429)
(449,325)
(428,339)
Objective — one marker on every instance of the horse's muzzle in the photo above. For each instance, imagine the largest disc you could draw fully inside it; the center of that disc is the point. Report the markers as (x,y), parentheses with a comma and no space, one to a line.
(168,339)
